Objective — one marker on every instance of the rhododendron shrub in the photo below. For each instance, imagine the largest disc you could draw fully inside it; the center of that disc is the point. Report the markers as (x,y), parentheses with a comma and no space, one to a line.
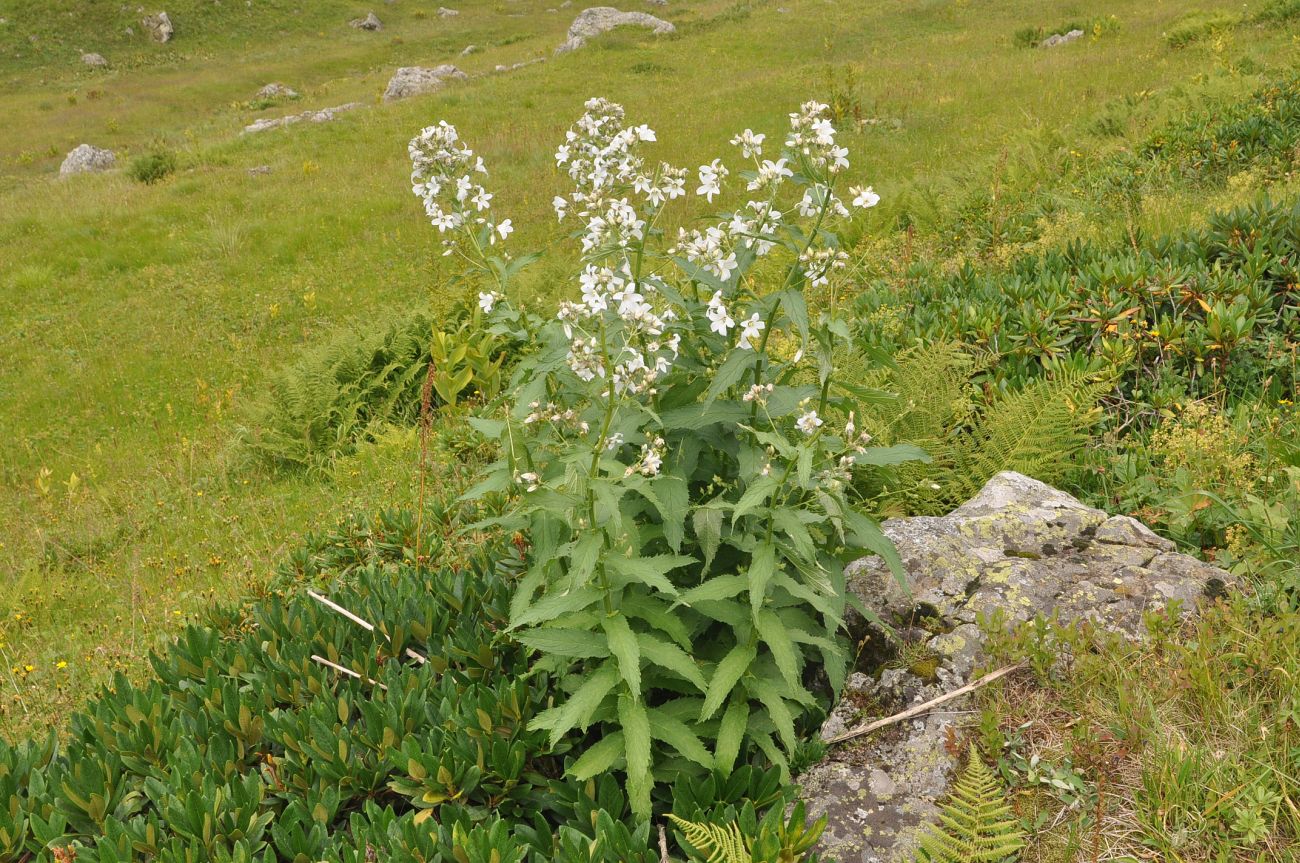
(677,444)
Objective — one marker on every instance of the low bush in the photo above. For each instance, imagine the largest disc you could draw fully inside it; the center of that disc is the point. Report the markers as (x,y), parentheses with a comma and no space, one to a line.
(152,167)
(1197,26)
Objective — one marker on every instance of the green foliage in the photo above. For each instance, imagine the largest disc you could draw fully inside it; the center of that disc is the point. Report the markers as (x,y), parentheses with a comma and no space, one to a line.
(968,438)
(718,843)
(347,389)
(777,837)
(1198,26)
(977,824)
(152,167)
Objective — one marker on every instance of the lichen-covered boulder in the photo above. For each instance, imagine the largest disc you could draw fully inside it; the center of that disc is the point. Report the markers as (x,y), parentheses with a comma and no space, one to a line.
(86,159)
(413,80)
(601,19)
(1019,547)
(159,27)
(324,115)
(95,61)
(1060,39)
(371,22)
(276,90)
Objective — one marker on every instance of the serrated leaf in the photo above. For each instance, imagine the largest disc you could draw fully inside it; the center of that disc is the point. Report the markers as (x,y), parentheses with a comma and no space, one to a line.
(668,655)
(882,456)
(636,751)
(762,567)
(677,734)
(582,560)
(558,641)
(773,634)
(728,374)
(673,504)
(553,605)
(707,522)
(651,571)
(866,534)
(623,644)
(581,706)
(694,417)
(777,710)
(718,587)
(756,494)
(599,757)
(731,733)
(659,615)
(725,677)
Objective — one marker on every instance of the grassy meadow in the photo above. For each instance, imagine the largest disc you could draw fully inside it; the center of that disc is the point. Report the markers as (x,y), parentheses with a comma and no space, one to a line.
(141,322)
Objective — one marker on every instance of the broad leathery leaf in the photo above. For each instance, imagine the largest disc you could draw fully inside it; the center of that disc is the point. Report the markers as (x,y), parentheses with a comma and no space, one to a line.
(650,571)
(725,678)
(636,751)
(553,605)
(762,566)
(731,733)
(718,587)
(623,644)
(598,758)
(581,706)
(707,521)
(788,657)
(733,368)
(577,643)
(880,456)
(668,655)
(678,735)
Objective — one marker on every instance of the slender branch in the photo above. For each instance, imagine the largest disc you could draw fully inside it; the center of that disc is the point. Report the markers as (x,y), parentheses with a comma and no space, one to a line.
(922,708)
(348,671)
(364,624)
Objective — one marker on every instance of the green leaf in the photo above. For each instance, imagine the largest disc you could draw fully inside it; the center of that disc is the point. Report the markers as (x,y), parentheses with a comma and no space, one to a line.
(582,560)
(581,706)
(599,757)
(866,534)
(659,615)
(725,677)
(881,456)
(671,730)
(497,480)
(673,504)
(796,308)
(788,522)
(623,644)
(707,522)
(731,733)
(696,416)
(553,605)
(636,750)
(761,569)
(756,494)
(668,655)
(489,428)
(777,709)
(650,571)
(787,656)
(558,641)
(718,587)
(728,374)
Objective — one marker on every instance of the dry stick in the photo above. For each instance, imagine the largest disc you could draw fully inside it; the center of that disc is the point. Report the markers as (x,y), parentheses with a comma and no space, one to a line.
(663,846)
(361,622)
(922,708)
(348,671)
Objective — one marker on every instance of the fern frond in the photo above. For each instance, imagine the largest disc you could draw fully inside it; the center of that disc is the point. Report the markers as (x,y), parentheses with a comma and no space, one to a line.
(976,825)
(722,843)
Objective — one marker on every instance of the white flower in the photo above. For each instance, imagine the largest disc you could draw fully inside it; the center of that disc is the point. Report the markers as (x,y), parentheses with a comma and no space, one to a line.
(505,229)
(808,422)
(482,199)
(720,319)
(864,198)
(487,300)
(750,143)
(614,441)
(711,177)
(561,206)
(752,331)
(561,155)
(529,480)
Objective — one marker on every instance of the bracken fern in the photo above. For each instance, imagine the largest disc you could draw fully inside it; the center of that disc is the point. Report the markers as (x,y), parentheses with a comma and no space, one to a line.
(976,826)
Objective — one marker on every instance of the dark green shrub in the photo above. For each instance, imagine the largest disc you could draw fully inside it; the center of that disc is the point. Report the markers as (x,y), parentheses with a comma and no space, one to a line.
(152,167)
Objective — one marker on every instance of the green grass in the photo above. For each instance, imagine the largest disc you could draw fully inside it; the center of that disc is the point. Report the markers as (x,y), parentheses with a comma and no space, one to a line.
(141,319)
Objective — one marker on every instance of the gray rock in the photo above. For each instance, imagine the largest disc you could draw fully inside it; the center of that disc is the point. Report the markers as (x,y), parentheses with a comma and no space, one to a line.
(657,2)
(95,61)
(444,12)
(276,90)
(258,170)
(371,22)
(521,64)
(470,49)
(1060,39)
(413,80)
(601,19)
(86,159)
(322,116)
(159,27)
(1019,547)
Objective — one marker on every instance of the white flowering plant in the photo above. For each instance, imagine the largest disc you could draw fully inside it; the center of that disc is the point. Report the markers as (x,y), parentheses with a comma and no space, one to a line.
(677,445)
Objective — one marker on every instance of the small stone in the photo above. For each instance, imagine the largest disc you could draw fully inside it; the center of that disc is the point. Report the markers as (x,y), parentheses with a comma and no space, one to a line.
(95,61)
(258,170)
(86,159)
(470,49)
(371,22)
(276,90)
(159,27)
(1060,39)
(444,12)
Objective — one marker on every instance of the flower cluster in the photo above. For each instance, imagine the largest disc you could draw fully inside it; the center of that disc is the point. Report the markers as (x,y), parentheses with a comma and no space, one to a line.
(443,173)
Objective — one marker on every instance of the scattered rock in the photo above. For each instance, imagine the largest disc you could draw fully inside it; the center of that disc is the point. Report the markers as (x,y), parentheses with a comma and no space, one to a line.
(521,64)
(412,80)
(444,12)
(601,19)
(322,116)
(371,22)
(130,31)
(1019,547)
(276,90)
(86,159)
(159,27)
(259,170)
(95,61)
(470,49)
(1060,39)
(657,2)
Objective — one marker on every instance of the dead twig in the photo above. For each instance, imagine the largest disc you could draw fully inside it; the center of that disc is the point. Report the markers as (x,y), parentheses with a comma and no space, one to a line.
(663,845)
(922,708)
(361,622)
(348,671)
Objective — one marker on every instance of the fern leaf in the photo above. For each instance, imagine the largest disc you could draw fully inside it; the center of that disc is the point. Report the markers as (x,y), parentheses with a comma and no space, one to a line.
(721,843)
(976,825)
